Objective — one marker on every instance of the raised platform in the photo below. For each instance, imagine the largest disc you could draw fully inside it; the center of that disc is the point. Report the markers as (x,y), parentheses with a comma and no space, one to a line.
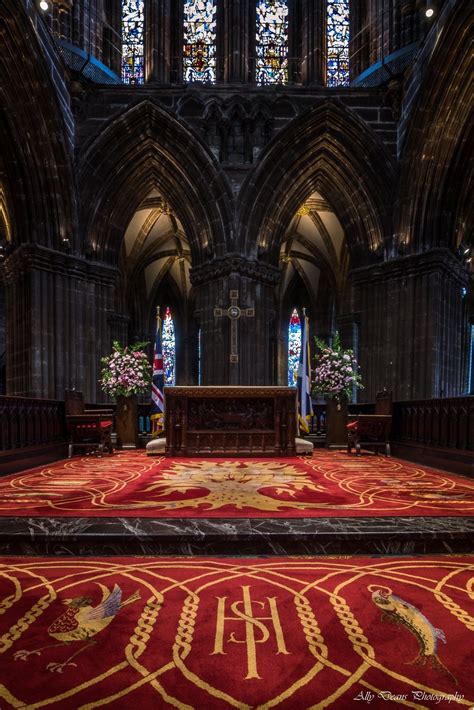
(232,536)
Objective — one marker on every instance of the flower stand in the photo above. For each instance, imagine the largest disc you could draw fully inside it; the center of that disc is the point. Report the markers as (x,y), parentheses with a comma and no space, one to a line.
(336,422)
(126,422)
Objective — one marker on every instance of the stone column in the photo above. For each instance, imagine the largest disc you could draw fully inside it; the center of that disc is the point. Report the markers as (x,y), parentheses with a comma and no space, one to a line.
(112,48)
(235,37)
(158,19)
(313,42)
(57,328)
(412,325)
(255,286)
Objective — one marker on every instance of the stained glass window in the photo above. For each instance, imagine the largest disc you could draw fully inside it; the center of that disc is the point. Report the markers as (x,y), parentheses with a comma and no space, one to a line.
(272,42)
(294,347)
(337,33)
(168,344)
(199,52)
(132,41)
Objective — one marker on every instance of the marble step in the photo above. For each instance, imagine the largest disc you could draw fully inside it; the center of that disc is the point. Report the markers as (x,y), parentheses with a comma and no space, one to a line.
(236,536)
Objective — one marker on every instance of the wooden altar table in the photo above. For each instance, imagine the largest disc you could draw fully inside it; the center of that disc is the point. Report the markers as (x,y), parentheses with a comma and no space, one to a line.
(236,421)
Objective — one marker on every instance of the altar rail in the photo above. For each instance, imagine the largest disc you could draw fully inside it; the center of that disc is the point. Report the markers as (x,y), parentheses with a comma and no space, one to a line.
(32,432)
(436,432)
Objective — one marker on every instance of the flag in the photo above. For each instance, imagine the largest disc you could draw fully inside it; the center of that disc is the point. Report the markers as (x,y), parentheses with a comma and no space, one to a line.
(157,386)
(303,383)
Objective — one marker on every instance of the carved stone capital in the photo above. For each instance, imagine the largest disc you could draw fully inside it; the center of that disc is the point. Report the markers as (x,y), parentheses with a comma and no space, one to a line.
(234,264)
(32,257)
(435,260)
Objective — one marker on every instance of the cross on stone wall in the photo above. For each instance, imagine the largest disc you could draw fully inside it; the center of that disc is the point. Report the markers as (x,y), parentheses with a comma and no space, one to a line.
(234,312)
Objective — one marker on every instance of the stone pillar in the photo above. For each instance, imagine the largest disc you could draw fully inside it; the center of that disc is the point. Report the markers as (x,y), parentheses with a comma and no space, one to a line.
(112,47)
(57,327)
(158,19)
(412,325)
(313,42)
(255,285)
(235,37)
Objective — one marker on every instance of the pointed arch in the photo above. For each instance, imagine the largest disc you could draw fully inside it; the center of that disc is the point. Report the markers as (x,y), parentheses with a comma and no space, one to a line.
(330,150)
(37,155)
(143,148)
(436,175)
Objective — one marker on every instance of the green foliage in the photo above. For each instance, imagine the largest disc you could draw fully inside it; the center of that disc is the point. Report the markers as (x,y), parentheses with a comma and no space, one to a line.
(336,372)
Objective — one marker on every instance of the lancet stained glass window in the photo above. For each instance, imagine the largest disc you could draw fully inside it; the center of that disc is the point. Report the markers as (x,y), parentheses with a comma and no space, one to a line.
(132,41)
(168,343)
(272,42)
(199,52)
(294,347)
(337,33)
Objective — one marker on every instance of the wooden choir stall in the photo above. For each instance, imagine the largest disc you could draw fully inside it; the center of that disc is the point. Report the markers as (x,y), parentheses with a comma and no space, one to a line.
(237,421)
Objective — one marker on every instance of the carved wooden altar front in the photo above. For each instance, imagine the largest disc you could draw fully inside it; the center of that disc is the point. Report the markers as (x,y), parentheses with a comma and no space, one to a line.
(236,421)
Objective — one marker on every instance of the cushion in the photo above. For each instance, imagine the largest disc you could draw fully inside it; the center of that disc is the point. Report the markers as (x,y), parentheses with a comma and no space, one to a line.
(303,446)
(156,447)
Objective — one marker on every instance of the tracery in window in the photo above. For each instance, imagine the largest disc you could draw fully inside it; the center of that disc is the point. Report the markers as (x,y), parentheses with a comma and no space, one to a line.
(294,347)
(199,51)
(168,343)
(337,34)
(272,42)
(132,41)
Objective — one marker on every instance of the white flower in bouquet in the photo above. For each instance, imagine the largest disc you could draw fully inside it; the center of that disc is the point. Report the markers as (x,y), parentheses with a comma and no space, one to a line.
(126,371)
(336,372)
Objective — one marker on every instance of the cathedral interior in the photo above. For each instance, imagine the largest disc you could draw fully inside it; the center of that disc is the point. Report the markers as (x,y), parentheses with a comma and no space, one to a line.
(286,158)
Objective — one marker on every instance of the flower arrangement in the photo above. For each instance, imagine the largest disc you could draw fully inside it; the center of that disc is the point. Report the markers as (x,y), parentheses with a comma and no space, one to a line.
(336,371)
(126,371)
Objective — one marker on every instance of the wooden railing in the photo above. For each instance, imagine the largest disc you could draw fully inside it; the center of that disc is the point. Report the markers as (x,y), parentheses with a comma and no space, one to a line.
(444,423)
(26,422)
(447,423)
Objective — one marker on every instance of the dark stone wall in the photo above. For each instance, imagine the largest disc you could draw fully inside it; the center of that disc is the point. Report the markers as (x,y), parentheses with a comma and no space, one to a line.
(411,320)
(234,162)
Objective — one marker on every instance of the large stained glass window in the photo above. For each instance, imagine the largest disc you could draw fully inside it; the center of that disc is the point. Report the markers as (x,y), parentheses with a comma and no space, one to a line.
(132,41)
(168,343)
(199,52)
(272,42)
(294,347)
(337,33)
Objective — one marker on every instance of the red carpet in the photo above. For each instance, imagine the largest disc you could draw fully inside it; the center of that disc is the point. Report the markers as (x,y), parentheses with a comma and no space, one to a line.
(327,484)
(237,633)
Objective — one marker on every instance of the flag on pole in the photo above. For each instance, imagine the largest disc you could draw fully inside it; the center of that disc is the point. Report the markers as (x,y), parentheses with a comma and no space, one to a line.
(158,383)
(303,383)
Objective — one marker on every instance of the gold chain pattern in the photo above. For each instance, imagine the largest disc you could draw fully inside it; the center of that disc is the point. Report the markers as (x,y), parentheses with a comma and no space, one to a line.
(187,621)
(144,626)
(23,624)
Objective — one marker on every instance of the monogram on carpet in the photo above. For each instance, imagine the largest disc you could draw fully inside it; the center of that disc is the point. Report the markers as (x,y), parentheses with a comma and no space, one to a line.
(249,633)
(326,484)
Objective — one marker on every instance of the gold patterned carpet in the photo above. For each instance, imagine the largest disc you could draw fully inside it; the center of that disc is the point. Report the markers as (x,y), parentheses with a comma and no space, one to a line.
(207,633)
(325,484)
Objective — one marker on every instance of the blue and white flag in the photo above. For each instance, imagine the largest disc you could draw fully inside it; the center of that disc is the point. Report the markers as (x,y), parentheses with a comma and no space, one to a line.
(157,410)
(303,383)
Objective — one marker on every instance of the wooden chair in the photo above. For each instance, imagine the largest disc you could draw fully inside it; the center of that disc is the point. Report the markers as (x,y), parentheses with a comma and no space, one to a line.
(87,429)
(372,431)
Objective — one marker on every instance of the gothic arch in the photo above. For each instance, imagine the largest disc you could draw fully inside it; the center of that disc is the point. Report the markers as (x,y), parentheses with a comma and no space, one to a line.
(143,148)
(436,177)
(33,136)
(330,150)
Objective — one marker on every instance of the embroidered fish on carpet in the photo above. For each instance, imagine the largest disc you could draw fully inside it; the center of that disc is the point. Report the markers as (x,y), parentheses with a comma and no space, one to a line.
(399,611)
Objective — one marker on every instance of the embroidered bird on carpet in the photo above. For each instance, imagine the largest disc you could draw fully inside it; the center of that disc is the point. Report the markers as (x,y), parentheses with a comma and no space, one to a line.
(81,622)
